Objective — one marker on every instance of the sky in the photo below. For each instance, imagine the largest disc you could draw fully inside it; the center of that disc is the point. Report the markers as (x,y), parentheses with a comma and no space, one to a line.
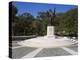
(34,8)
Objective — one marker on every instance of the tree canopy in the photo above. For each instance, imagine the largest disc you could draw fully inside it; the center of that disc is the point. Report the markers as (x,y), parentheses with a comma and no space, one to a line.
(27,24)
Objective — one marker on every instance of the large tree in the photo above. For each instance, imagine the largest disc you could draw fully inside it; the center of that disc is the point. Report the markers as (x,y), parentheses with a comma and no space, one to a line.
(68,22)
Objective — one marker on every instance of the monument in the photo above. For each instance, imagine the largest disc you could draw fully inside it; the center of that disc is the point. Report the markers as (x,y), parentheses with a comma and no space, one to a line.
(48,41)
(50,28)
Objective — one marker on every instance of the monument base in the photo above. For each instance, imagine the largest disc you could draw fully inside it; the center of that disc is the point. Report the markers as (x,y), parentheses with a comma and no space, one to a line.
(50,31)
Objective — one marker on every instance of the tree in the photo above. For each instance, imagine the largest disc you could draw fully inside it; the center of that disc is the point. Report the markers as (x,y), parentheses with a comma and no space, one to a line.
(68,22)
(25,24)
(13,11)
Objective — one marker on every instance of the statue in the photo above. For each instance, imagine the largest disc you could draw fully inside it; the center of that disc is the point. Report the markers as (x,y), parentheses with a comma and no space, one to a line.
(51,16)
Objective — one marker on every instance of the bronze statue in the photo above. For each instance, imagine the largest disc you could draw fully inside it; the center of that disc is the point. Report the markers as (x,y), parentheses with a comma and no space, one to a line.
(51,16)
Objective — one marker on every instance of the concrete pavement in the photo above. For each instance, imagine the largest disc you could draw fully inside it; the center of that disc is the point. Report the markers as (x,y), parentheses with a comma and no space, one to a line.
(30,52)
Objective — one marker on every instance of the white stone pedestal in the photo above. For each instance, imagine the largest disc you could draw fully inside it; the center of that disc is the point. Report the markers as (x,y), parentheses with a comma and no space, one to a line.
(50,31)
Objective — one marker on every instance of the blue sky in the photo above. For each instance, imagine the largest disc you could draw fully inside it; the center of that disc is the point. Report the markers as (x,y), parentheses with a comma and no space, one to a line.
(34,8)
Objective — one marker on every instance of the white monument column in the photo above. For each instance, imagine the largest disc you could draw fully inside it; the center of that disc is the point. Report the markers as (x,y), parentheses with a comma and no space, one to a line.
(50,31)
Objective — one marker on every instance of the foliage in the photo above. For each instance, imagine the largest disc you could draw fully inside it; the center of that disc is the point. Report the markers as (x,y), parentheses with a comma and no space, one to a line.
(25,24)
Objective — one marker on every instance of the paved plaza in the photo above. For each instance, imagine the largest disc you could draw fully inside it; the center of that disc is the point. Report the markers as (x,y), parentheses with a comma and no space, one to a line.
(19,51)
